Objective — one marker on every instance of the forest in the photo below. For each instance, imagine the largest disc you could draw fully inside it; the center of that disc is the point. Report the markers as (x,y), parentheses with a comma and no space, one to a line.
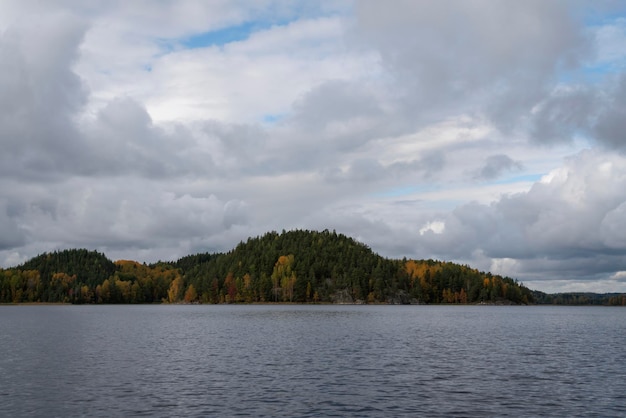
(298,266)
(580,298)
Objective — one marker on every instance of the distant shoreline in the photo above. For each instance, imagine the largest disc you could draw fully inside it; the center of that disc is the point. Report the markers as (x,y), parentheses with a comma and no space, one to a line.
(34,303)
(295,304)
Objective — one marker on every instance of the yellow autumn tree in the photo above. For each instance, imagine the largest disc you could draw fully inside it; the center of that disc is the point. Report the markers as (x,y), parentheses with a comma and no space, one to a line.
(190,294)
(248,293)
(284,277)
(103,292)
(124,288)
(85,294)
(174,292)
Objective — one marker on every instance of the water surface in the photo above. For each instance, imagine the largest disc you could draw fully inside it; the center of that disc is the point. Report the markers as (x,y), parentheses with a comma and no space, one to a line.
(297,361)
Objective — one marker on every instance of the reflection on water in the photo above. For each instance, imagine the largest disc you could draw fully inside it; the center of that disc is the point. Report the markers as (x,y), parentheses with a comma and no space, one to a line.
(280,360)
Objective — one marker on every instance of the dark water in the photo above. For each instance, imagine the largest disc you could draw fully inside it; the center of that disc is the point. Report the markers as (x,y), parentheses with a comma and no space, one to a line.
(312,361)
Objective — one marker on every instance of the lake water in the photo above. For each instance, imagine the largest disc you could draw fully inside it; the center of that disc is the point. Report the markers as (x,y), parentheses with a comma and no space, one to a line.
(300,361)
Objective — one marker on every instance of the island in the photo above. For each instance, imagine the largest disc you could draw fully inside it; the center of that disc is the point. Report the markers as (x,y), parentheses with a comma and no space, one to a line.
(298,266)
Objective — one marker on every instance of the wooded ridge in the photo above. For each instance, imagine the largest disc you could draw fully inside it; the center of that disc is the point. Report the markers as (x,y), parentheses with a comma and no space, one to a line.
(298,266)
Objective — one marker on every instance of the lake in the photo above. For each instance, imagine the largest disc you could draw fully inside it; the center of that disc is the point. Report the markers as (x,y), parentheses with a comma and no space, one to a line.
(312,360)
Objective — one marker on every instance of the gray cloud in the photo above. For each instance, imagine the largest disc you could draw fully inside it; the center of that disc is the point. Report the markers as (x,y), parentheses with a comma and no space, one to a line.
(334,102)
(332,120)
(488,59)
(611,122)
(371,172)
(612,227)
(500,56)
(124,140)
(39,96)
(118,216)
(233,149)
(11,235)
(597,113)
(495,165)
(45,138)
(563,114)
(360,171)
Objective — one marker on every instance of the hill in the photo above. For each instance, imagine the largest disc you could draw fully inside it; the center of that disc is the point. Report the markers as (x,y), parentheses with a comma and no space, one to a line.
(311,266)
(295,266)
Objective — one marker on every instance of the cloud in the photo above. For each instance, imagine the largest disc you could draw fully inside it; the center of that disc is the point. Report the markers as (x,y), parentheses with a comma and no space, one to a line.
(580,111)
(620,276)
(495,165)
(421,128)
(500,57)
(239,82)
(612,226)
(12,234)
(435,227)
(611,122)
(535,82)
(122,215)
(338,117)
(40,95)
(565,224)
(122,140)
(562,115)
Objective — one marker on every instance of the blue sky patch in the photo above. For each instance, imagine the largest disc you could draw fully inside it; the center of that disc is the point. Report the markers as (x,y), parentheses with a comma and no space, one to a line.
(228,34)
(221,37)
(271,119)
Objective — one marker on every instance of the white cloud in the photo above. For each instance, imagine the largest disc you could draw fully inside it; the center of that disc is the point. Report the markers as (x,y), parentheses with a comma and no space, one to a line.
(435,227)
(610,41)
(239,82)
(504,266)
(567,218)
(619,276)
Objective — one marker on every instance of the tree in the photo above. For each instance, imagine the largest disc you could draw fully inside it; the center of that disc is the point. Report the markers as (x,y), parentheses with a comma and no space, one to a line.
(230,286)
(103,292)
(190,294)
(462,296)
(284,276)
(175,289)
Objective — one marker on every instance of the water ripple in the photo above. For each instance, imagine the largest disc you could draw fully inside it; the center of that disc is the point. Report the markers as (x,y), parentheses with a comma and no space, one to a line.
(311,361)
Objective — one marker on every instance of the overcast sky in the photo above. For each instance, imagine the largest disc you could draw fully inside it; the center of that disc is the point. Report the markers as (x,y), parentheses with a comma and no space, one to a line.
(490,133)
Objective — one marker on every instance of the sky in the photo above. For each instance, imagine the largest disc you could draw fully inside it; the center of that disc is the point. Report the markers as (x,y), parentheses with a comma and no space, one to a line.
(485,132)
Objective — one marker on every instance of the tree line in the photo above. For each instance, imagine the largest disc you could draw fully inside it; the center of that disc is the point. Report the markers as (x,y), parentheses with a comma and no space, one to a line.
(297,266)
(580,298)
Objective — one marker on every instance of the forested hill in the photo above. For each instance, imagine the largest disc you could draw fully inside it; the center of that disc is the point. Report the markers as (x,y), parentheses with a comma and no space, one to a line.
(296,266)
(89,267)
